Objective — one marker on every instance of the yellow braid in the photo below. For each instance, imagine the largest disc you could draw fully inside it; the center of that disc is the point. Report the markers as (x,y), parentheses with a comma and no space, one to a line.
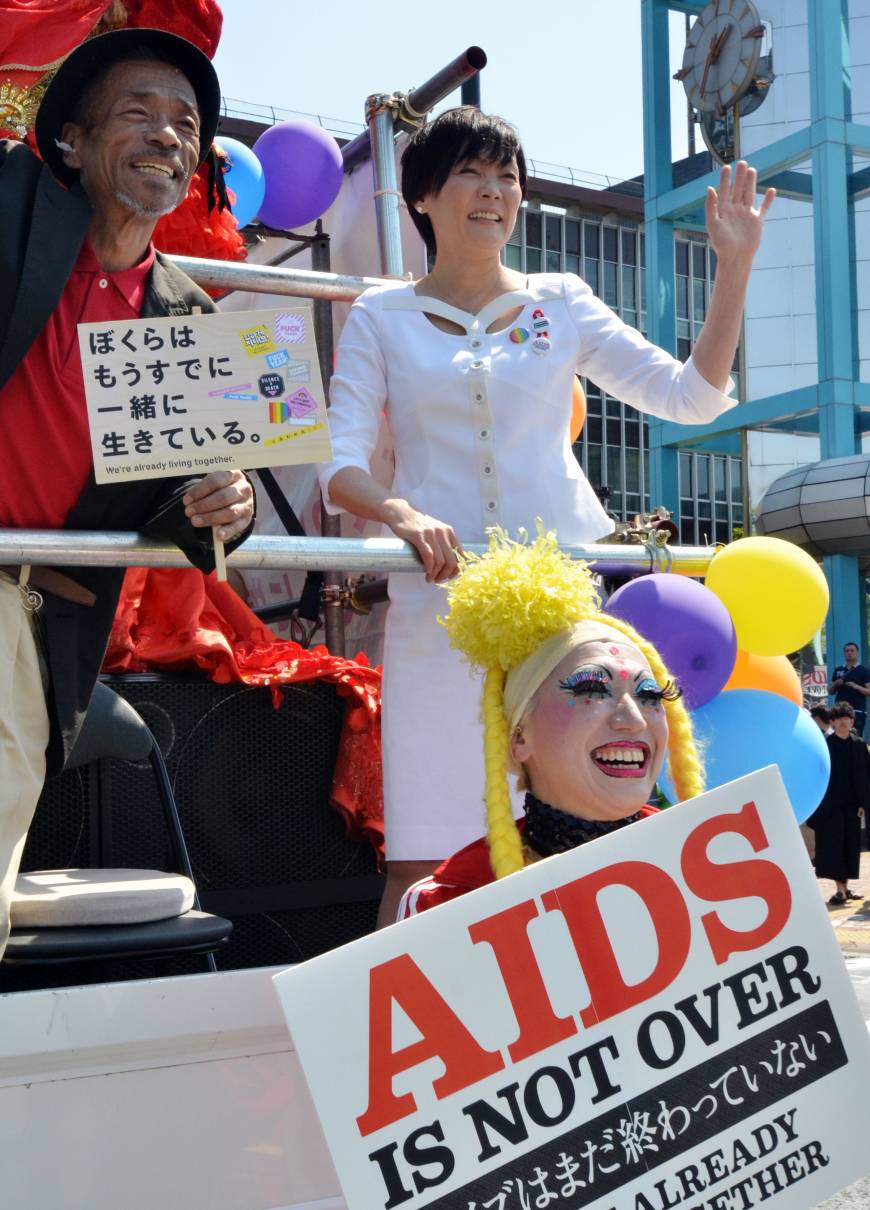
(505,845)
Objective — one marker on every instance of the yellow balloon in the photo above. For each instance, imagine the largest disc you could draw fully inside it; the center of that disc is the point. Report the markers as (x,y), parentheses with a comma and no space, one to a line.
(775,592)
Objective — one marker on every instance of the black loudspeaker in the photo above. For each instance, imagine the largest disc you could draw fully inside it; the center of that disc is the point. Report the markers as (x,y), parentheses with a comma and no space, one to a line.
(252,784)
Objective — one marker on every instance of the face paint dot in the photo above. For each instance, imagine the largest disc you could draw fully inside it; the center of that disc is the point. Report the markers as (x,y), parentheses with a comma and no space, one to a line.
(623,674)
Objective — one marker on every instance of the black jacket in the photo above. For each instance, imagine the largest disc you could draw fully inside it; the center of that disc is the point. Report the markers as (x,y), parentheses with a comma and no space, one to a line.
(44,227)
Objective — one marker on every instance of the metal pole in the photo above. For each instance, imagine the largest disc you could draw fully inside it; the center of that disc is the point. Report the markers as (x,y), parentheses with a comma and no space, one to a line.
(419,101)
(83,548)
(470,94)
(380,110)
(262,279)
(330,527)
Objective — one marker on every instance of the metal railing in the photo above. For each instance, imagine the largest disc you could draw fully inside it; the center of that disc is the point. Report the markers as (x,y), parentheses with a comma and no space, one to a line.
(76,548)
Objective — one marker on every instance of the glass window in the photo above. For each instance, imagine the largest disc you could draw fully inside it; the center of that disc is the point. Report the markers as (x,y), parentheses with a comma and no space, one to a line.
(719,474)
(712,259)
(614,410)
(736,480)
(533,228)
(572,264)
(699,259)
(702,470)
(592,428)
(609,294)
(687,530)
(632,432)
(699,300)
(629,288)
(592,275)
(681,253)
(591,240)
(572,237)
(516,236)
(533,260)
(687,487)
(610,243)
(682,297)
(593,397)
(513,256)
(684,349)
(629,247)
(614,435)
(643,249)
(632,471)
(614,474)
(593,453)
(723,531)
(554,233)
(554,262)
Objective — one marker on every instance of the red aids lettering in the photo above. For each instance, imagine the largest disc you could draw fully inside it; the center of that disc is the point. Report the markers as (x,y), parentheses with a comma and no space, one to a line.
(715,881)
(444,1037)
(539,1026)
(578,902)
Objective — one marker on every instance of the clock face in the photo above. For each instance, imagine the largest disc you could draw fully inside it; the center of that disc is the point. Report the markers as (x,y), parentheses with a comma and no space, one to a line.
(721,56)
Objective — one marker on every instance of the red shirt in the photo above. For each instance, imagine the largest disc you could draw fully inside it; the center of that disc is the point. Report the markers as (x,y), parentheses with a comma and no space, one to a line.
(464,871)
(44,435)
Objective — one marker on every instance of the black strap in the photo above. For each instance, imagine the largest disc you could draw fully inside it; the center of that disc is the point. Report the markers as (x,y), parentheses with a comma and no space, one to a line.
(309,602)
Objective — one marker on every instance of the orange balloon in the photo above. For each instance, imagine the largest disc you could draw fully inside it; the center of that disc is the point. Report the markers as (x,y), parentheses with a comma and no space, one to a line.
(578,409)
(771,672)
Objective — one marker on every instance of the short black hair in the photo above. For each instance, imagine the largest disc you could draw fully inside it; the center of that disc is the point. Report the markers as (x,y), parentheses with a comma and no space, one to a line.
(821,712)
(83,110)
(855,645)
(842,710)
(455,136)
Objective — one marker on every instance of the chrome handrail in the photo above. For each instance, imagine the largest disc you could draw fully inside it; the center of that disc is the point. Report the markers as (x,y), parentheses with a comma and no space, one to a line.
(77,548)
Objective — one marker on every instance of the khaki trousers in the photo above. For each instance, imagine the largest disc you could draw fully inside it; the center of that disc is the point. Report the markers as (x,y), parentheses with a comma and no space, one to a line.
(23,737)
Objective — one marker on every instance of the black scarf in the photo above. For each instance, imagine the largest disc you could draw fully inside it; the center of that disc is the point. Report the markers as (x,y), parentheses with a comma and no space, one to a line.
(549,830)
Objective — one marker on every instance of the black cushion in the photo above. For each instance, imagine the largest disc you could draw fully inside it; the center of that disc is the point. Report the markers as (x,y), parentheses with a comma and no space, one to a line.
(194,932)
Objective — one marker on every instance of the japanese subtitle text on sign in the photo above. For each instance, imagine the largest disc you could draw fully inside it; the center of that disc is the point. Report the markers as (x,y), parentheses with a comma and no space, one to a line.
(196,393)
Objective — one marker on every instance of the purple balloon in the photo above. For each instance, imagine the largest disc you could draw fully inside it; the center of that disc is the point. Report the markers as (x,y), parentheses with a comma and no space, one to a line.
(689,626)
(303,169)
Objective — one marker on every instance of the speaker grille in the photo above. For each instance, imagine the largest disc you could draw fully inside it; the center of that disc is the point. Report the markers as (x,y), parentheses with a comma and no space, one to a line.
(252,785)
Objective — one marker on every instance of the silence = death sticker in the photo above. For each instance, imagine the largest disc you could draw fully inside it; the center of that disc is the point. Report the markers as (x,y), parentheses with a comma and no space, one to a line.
(290,328)
(271,385)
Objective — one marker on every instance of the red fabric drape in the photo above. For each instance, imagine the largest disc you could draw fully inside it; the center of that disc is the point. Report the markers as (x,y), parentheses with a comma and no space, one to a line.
(181,619)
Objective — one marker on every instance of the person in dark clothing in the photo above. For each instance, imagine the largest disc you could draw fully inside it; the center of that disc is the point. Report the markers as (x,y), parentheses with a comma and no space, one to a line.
(837,819)
(851,683)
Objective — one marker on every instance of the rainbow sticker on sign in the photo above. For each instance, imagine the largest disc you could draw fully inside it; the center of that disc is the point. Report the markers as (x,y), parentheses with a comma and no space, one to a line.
(519,335)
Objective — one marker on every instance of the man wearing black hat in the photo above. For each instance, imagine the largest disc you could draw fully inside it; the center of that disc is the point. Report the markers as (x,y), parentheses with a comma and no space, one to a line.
(122,127)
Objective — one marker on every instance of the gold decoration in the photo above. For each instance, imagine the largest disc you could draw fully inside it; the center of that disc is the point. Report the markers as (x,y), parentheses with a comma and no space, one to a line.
(19,103)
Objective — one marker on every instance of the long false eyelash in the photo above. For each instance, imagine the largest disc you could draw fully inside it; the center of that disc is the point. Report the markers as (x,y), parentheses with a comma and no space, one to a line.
(592,680)
(670,692)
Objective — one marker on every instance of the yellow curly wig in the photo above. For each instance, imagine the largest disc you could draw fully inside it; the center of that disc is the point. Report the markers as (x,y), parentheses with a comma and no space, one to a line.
(502,607)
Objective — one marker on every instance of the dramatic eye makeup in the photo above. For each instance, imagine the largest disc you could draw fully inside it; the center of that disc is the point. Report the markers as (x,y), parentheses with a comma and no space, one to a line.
(586,682)
(649,693)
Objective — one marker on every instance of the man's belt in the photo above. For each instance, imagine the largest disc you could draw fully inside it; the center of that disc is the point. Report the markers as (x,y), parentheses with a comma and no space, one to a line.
(54,582)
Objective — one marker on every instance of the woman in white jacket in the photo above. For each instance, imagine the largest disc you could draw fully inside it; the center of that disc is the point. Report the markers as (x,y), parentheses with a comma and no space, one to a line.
(474,366)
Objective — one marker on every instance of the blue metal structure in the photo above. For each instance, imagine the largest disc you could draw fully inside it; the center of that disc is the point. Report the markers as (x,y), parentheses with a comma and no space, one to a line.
(838,406)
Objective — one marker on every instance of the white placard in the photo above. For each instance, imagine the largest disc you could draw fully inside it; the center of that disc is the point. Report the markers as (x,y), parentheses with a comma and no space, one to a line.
(659,1019)
(190,394)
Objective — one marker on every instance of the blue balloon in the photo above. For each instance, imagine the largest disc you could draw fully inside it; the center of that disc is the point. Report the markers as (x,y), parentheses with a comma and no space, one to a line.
(246,179)
(746,729)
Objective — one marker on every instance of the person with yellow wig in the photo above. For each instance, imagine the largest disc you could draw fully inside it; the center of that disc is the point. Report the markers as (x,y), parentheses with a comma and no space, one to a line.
(575,702)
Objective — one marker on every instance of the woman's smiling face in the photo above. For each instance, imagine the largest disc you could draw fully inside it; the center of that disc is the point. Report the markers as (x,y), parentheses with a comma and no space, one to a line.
(477,207)
(595,735)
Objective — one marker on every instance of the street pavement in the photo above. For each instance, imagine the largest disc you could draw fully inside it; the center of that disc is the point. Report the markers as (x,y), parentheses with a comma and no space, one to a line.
(851,925)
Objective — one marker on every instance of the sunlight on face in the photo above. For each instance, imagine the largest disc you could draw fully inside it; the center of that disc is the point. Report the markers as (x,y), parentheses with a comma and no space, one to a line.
(476,209)
(595,735)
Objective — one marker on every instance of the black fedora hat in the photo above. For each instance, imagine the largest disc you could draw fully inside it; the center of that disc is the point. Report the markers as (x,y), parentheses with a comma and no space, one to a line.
(104,51)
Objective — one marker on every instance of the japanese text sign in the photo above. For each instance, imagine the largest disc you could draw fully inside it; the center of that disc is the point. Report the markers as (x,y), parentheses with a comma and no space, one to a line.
(658,1019)
(194,393)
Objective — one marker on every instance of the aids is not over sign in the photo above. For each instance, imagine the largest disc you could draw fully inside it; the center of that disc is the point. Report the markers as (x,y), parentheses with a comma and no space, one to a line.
(660,1019)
